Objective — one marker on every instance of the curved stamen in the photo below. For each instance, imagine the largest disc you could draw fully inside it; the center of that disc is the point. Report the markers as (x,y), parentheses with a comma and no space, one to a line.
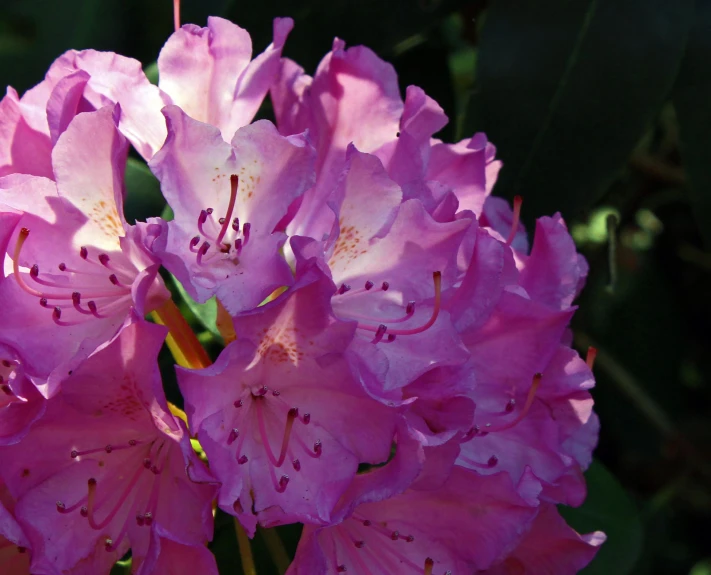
(76,300)
(380,329)
(590,357)
(202,218)
(517,201)
(202,251)
(529,401)
(409,311)
(92,507)
(291,416)
(234,184)
(107,449)
(22,236)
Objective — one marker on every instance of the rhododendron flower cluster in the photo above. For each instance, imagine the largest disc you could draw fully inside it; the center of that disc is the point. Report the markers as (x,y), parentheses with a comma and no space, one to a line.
(397,372)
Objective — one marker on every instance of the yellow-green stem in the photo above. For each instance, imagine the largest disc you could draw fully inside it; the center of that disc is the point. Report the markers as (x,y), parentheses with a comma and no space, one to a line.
(276,549)
(245,550)
(182,341)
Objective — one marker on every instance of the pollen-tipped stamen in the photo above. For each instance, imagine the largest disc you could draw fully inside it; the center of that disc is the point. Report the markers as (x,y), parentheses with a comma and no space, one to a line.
(437,278)
(529,401)
(291,416)
(92,507)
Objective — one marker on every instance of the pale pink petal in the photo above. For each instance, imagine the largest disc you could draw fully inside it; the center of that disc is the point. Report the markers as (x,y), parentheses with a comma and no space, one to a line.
(23,149)
(115,79)
(89,160)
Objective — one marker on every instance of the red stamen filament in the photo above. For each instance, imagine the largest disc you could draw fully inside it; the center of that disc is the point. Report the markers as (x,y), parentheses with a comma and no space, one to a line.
(529,401)
(517,201)
(92,507)
(234,184)
(592,354)
(292,415)
(429,566)
(108,449)
(176,14)
(382,328)
(24,233)
(74,296)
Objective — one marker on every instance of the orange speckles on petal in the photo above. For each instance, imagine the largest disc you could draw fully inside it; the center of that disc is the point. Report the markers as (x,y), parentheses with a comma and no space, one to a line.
(347,247)
(280,346)
(106,217)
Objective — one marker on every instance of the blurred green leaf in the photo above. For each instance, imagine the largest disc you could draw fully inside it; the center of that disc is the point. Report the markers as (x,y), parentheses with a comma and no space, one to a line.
(609,509)
(33,34)
(206,312)
(122,567)
(151,72)
(565,90)
(143,195)
(692,101)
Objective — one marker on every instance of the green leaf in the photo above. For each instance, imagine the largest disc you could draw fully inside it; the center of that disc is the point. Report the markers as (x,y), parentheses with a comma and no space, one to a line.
(143,195)
(151,72)
(609,509)
(122,567)
(692,101)
(206,312)
(566,89)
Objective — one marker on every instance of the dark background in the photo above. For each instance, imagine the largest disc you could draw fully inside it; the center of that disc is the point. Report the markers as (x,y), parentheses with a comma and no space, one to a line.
(600,109)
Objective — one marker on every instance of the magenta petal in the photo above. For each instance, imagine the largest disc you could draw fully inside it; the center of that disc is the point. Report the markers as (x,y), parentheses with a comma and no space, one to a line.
(174,558)
(287,92)
(23,148)
(279,414)
(89,159)
(463,169)
(550,548)
(554,273)
(354,98)
(208,73)
(21,404)
(107,425)
(463,526)
(115,79)
(197,170)
(65,102)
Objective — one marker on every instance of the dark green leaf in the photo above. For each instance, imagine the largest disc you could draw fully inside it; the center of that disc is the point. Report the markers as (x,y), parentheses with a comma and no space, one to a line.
(205,312)
(143,196)
(565,90)
(33,34)
(609,509)
(692,101)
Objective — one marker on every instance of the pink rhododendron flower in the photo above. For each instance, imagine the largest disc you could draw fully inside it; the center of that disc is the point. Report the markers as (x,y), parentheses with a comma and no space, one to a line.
(462,525)
(228,200)
(550,548)
(398,373)
(354,98)
(280,415)
(166,555)
(391,261)
(21,404)
(206,71)
(106,466)
(73,267)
